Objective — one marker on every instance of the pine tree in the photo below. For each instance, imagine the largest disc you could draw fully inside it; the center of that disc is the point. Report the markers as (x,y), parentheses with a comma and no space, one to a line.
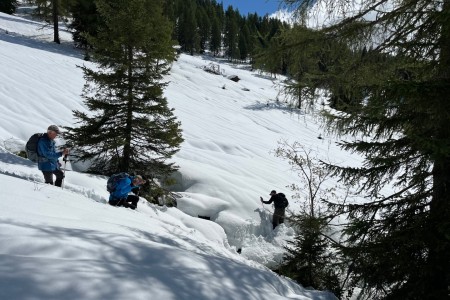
(398,241)
(129,127)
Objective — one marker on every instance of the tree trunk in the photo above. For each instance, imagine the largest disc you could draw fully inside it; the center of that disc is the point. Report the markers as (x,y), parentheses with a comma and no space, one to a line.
(55,22)
(129,120)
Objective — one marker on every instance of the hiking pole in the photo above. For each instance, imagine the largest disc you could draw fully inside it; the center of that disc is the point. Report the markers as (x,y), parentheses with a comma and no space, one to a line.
(64,170)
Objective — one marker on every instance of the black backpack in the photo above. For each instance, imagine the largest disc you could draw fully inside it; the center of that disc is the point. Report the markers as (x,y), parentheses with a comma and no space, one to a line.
(31,148)
(285,201)
(113,180)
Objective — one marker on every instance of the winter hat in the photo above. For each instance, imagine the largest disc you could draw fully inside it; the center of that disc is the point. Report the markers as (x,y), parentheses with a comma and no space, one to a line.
(273,192)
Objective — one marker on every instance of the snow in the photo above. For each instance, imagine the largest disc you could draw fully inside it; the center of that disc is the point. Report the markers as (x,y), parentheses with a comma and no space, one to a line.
(68,244)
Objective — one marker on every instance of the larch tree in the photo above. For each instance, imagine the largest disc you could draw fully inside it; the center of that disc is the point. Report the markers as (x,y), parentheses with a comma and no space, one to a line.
(398,80)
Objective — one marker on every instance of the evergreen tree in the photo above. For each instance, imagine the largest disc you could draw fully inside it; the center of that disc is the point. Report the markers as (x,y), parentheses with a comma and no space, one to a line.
(269,54)
(54,10)
(43,9)
(216,36)
(171,11)
(309,258)
(252,25)
(399,241)
(204,27)
(189,39)
(8,6)
(309,64)
(129,126)
(231,33)
(203,24)
(85,20)
(244,39)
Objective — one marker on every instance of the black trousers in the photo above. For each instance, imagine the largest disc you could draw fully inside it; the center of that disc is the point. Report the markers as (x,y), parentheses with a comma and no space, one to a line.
(48,176)
(130,201)
(278,217)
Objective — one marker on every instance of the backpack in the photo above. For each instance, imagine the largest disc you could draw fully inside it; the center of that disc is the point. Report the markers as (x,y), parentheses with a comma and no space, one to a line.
(112,182)
(31,147)
(285,201)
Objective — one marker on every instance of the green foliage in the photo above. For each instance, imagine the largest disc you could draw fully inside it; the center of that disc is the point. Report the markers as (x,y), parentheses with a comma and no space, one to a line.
(188,36)
(129,126)
(22,153)
(270,52)
(202,25)
(85,21)
(231,33)
(44,8)
(216,36)
(310,259)
(157,192)
(52,11)
(391,77)
(8,6)
(204,28)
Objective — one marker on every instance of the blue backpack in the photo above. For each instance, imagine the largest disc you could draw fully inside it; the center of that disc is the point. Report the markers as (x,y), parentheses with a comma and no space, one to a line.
(111,185)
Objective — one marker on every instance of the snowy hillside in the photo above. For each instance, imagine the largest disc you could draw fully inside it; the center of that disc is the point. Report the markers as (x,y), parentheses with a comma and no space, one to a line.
(66,243)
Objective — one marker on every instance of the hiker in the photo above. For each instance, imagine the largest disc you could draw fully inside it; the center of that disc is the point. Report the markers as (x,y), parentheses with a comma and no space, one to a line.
(48,156)
(121,197)
(280,202)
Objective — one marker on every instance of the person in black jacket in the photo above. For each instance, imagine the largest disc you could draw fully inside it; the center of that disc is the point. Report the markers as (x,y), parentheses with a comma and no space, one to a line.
(280,202)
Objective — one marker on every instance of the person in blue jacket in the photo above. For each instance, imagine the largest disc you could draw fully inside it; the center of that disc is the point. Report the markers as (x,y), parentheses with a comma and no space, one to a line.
(48,156)
(121,196)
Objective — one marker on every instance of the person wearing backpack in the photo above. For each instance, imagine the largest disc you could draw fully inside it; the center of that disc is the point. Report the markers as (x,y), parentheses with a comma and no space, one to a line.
(48,156)
(280,202)
(123,184)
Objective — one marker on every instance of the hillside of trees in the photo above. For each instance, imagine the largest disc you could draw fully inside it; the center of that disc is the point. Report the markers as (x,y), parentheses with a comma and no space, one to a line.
(199,26)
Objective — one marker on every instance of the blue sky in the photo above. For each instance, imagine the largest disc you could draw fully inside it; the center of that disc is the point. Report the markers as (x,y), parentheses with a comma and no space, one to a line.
(261,7)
